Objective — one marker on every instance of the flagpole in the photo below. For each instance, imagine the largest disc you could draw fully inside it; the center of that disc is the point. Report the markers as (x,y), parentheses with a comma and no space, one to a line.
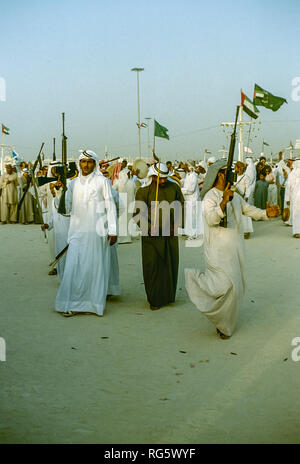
(153,136)
(241,145)
(138,70)
(148,119)
(2,153)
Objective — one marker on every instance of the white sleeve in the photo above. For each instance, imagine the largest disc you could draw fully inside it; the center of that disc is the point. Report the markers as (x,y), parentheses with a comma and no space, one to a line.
(110,207)
(255,213)
(190,188)
(212,211)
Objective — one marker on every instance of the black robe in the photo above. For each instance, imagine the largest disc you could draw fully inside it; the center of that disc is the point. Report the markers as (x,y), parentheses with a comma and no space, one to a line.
(160,253)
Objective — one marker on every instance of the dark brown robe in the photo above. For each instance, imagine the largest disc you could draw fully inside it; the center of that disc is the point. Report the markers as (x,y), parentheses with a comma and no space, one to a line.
(160,253)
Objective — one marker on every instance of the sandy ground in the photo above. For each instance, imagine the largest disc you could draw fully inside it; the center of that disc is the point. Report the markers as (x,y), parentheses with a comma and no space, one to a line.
(137,376)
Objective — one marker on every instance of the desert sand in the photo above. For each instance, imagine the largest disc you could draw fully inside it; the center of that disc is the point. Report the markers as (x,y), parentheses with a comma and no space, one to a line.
(141,376)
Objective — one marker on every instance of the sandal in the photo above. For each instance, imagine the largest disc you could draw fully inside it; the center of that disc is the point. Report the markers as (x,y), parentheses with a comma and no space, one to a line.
(221,335)
(69,314)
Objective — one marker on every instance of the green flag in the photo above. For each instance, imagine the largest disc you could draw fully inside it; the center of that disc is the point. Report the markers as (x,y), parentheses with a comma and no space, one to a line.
(160,131)
(266,99)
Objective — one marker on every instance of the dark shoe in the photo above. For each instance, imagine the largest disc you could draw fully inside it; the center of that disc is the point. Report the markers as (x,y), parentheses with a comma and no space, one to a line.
(247,235)
(296,235)
(69,314)
(154,308)
(53,272)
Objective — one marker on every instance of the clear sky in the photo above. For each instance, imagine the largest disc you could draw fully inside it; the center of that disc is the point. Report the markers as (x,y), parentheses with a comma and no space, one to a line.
(76,56)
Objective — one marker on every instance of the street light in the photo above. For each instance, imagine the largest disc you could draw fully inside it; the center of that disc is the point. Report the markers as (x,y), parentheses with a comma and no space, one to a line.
(148,122)
(137,70)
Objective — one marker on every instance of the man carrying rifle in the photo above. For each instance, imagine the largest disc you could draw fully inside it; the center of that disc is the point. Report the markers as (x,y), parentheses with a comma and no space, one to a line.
(218,292)
(93,229)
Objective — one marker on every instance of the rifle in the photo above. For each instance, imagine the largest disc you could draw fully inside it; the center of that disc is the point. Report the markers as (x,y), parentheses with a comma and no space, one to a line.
(230,176)
(38,160)
(62,202)
(54,155)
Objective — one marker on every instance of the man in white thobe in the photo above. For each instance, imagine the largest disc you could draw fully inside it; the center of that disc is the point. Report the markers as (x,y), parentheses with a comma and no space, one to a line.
(58,224)
(218,292)
(93,229)
(190,190)
(26,211)
(292,198)
(251,175)
(126,187)
(114,288)
(243,187)
(9,196)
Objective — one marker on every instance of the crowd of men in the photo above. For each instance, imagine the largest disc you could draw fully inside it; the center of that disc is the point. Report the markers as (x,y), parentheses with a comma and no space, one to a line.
(110,205)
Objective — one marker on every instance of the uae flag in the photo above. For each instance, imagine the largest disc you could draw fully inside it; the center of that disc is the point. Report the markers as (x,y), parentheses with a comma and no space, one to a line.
(249,107)
(266,99)
(5,130)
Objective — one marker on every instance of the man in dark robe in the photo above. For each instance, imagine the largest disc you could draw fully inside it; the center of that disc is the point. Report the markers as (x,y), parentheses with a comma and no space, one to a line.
(159,224)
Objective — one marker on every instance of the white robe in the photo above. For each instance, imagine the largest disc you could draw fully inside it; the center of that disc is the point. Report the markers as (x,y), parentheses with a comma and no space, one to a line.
(60,224)
(114,278)
(127,188)
(93,217)
(292,194)
(251,174)
(218,292)
(243,185)
(193,219)
(46,200)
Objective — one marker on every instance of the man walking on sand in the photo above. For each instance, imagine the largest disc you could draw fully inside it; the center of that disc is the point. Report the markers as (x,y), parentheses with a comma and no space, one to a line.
(218,292)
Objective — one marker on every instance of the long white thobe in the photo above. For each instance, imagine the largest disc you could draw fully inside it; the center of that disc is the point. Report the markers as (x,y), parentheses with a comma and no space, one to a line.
(46,199)
(93,217)
(126,188)
(218,292)
(60,224)
(292,194)
(114,278)
(251,174)
(9,197)
(243,185)
(193,220)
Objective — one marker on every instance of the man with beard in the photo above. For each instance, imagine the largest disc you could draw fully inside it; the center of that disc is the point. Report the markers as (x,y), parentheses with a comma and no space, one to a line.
(159,221)
(9,197)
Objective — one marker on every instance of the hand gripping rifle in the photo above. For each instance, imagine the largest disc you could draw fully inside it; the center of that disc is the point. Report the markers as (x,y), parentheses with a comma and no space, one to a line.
(230,176)
(62,201)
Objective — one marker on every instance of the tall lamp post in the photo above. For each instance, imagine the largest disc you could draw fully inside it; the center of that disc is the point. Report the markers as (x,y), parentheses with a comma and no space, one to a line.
(148,122)
(138,70)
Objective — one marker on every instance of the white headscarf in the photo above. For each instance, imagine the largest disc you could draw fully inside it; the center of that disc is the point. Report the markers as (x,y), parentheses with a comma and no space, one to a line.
(250,171)
(158,169)
(89,154)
